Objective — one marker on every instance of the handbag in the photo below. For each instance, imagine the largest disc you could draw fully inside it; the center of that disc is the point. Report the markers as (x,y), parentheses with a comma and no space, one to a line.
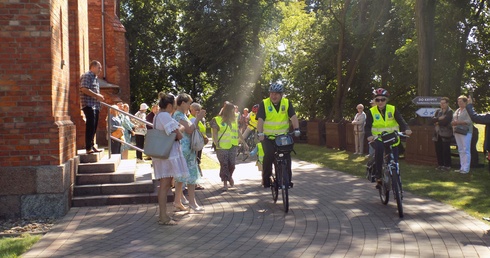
(445,131)
(197,140)
(461,129)
(158,143)
(117,134)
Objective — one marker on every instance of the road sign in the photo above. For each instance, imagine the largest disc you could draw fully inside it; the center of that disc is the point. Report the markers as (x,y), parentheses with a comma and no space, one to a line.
(426,112)
(426,100)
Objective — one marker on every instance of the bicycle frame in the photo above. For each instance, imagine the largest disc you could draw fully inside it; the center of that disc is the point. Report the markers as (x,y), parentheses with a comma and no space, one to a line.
(280,173)
(391,172)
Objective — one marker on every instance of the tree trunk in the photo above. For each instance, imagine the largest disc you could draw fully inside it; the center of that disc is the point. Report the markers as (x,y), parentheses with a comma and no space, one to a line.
(424,18)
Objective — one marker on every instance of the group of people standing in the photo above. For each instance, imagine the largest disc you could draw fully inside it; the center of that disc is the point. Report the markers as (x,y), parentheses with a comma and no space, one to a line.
(457,124)
(449,124)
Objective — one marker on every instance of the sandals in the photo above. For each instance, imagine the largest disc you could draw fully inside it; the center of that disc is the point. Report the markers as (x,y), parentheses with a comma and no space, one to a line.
(170,222)
(179,208)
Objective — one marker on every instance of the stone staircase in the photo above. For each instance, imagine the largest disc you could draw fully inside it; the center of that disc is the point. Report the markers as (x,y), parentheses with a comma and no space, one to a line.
(102,181)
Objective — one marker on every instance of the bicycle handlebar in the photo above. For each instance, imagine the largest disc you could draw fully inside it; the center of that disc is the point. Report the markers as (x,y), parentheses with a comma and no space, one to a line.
(375,137)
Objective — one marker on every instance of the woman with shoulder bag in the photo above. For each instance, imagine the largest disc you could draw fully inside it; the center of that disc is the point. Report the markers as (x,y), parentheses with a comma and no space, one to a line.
(462,128)
(226,135)
(443,134)
(173,167)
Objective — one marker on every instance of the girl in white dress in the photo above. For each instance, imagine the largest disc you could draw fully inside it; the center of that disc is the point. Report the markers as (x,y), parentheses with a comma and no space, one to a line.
(175,166)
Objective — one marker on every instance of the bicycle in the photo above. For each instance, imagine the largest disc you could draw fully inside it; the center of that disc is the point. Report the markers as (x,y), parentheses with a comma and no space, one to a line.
(251,141)
(283,144)
(391,172)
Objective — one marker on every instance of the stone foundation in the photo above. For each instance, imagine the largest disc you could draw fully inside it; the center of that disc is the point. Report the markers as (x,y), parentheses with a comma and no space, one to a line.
(37,192)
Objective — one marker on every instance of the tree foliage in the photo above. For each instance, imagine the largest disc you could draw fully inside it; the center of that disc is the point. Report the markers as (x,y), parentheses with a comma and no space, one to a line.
(329,54)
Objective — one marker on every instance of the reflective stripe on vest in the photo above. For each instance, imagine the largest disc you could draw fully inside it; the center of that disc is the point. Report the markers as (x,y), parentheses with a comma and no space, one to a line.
(388,124)
(276,122)
(224,137)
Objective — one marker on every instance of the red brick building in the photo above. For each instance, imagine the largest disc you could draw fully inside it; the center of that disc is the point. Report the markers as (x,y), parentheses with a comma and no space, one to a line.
(44,48)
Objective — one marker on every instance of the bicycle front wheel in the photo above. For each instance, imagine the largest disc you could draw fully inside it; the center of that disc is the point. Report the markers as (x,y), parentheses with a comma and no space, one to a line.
(285,187)
(397,192)
(384,189)
(274,186)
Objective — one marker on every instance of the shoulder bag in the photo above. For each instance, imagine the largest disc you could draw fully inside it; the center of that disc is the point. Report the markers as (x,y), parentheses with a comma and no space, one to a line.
(461,129)
(158,144)
(197,140)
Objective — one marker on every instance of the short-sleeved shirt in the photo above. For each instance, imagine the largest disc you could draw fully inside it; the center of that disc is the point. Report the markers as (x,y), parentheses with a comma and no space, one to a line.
(89,81)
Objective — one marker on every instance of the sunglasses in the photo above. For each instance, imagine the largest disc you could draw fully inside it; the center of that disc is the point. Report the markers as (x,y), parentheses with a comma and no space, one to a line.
(380,100)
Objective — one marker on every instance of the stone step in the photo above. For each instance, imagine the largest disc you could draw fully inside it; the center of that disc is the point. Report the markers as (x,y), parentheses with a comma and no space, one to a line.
(119,199)
(117,188)
(125,173)
(90,158)
(104,165)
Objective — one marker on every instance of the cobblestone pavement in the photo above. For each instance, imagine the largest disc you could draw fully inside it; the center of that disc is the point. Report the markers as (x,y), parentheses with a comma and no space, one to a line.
(332,214)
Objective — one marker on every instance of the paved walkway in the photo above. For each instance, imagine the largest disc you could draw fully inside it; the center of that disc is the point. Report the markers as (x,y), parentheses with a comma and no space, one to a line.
(332,214)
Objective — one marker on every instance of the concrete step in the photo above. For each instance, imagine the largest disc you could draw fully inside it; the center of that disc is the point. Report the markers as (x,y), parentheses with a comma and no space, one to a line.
(90,158)
(117,188)
(119,199)
(125,172)
(104,165)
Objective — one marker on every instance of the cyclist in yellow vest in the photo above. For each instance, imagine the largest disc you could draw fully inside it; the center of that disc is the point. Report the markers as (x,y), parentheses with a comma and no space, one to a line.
(383,118)
(252,121)
(225,133)
(273,118)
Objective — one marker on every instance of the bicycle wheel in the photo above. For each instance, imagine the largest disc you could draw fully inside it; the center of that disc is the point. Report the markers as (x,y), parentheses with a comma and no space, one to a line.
(384,190)
(274,186)
(397,193)
(285,187)
(251,141)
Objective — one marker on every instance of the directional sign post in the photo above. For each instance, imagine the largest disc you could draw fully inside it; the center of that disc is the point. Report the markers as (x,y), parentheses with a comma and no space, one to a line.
(426,101)
(426,112)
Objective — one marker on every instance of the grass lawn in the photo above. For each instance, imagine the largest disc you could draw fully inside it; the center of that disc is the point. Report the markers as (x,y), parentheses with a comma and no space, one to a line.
(14,246)
(466,192)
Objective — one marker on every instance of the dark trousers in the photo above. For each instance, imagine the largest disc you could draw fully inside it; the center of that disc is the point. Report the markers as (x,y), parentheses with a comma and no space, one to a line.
(443,151)
(115,147)
(140,143)
(379,150)
(269,149)
(92,119)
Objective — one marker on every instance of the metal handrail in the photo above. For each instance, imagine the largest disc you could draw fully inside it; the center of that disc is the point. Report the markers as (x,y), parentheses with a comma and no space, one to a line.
(109,124)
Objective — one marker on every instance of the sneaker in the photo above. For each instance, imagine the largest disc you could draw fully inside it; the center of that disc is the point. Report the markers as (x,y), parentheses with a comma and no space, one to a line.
(457,171)
(464,172)
(446,168)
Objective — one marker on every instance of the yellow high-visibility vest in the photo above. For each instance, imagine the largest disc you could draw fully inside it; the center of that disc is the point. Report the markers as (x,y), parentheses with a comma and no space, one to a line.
(276,122)
(388,124)
(201,127)
(226,134)
(252,123)
(260,152)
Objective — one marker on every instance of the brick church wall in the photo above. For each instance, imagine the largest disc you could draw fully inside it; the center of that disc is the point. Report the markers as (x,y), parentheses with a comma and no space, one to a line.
(38,159)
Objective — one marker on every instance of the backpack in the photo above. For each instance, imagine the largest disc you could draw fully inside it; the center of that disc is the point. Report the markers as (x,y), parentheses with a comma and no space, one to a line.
(197,140)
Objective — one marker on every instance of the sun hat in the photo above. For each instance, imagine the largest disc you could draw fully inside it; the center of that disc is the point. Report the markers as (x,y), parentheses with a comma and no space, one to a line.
(143,106)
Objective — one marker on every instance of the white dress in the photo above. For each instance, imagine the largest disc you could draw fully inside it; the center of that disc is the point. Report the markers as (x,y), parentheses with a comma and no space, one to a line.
(175,165)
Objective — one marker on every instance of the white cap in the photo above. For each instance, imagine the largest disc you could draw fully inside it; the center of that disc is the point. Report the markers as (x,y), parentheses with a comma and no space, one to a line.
(143,106)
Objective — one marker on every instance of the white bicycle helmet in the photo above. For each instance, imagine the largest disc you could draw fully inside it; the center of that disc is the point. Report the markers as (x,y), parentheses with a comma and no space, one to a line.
(276,87)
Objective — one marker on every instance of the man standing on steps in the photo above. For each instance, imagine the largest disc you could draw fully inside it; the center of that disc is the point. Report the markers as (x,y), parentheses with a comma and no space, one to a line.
(90,99)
